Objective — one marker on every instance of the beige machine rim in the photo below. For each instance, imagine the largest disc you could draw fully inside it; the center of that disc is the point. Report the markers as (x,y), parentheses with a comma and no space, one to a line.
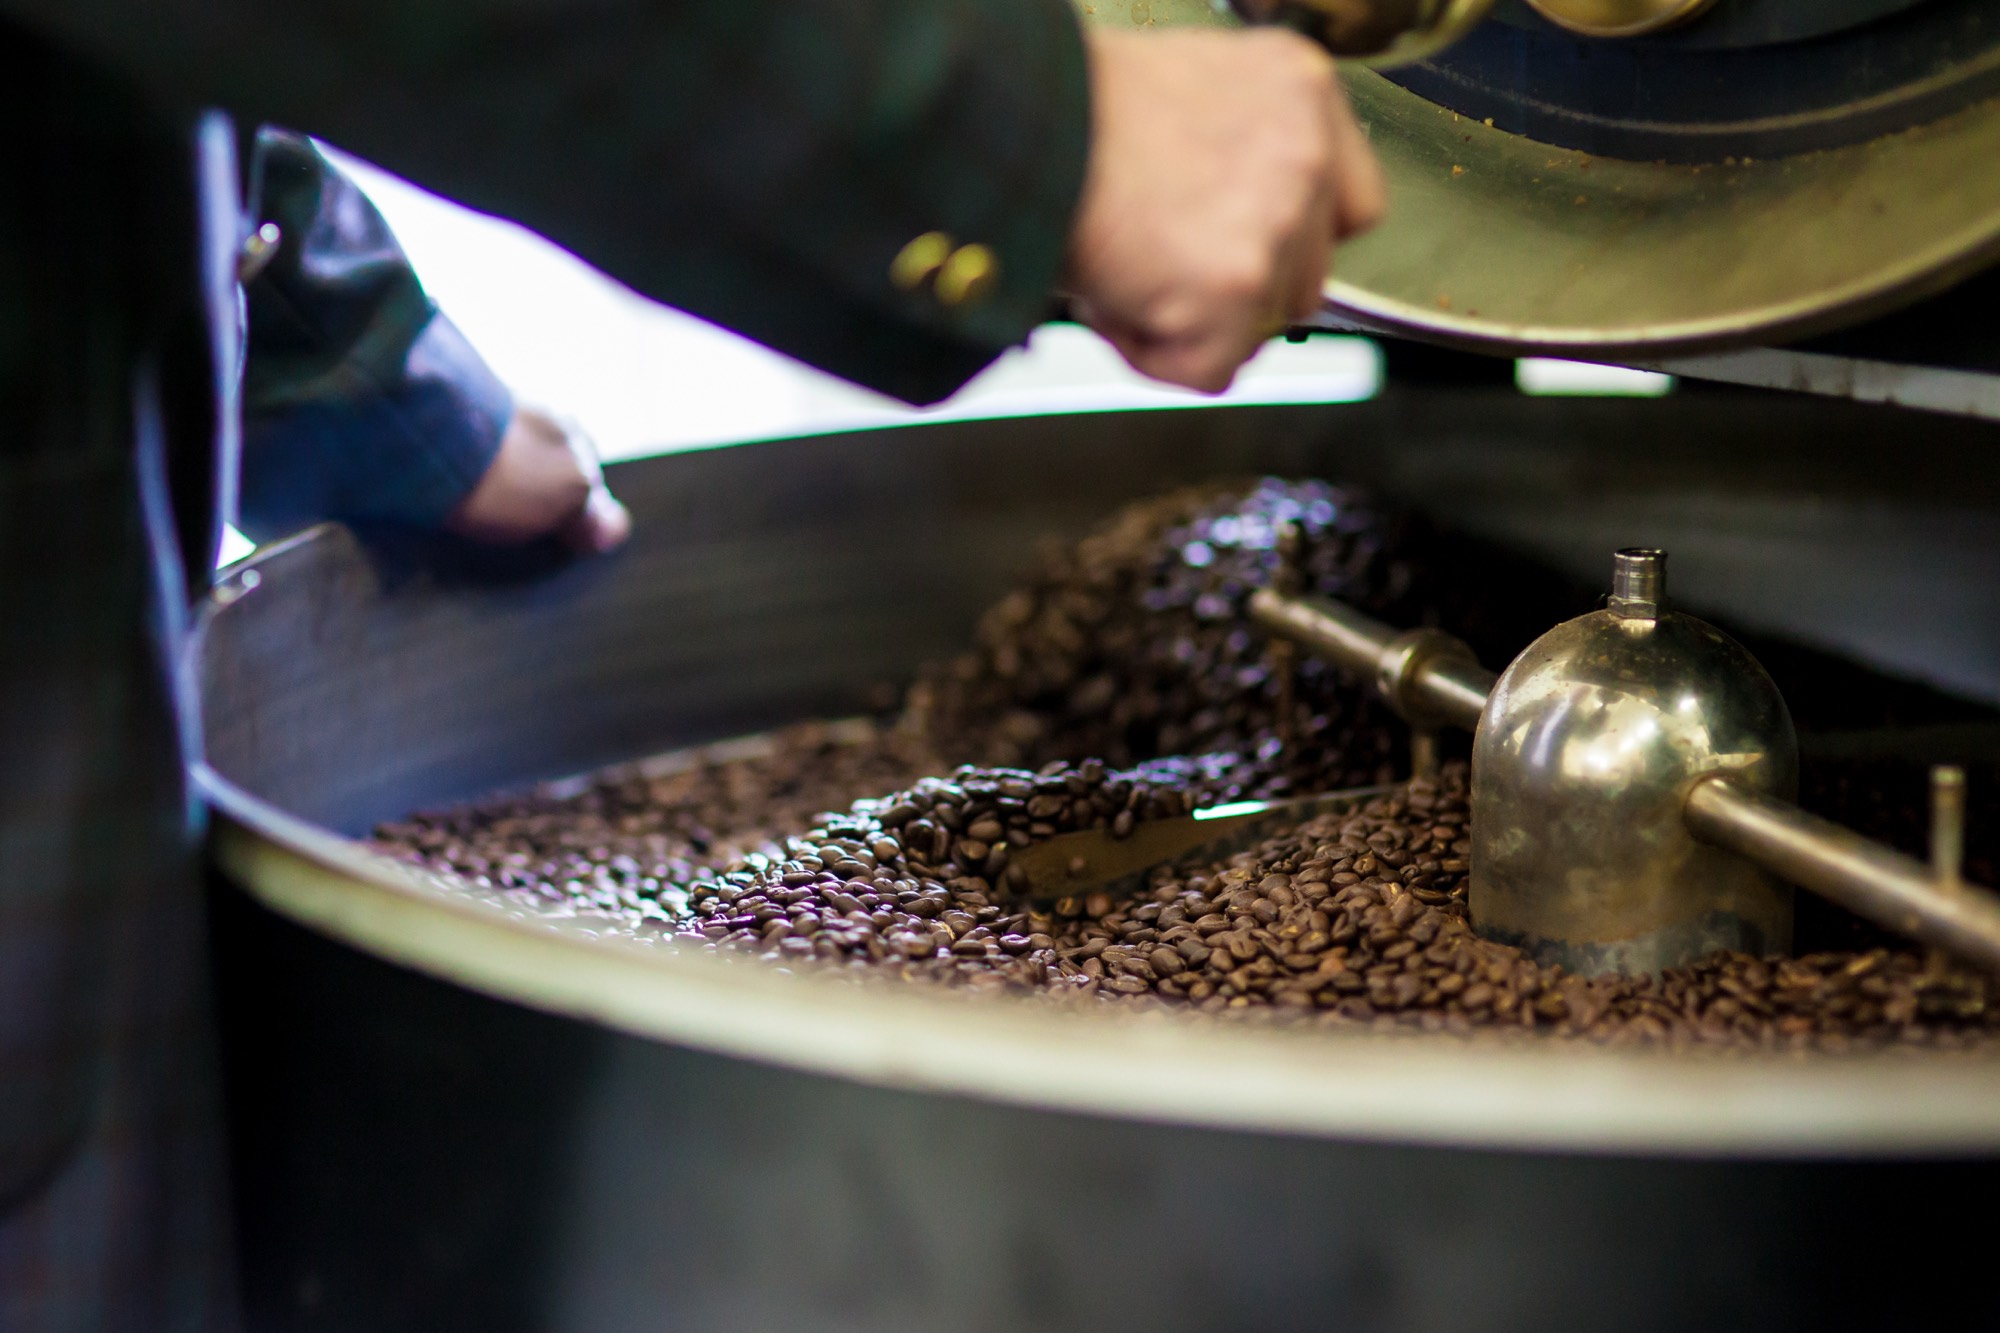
(1502,243)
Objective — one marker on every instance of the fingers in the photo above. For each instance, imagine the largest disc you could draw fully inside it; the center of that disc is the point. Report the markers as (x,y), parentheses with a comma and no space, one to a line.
(603,524)
(1205,361)
(543,481)
(1207,355)
(1224,168)
(1204,368)
(600,527)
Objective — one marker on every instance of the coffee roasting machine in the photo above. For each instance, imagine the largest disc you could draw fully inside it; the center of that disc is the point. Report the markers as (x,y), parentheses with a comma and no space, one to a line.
(452,1113)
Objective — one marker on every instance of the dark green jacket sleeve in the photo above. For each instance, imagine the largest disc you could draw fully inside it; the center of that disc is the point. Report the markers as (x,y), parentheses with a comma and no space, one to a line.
(362,402)
(758,164)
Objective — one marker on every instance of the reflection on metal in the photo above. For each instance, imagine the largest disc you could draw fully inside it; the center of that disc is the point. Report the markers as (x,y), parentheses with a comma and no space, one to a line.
(1502,243)
(1078,863)
(1546,377)
(1619,18)
(1929,388)
(1580,854)
(1379,32)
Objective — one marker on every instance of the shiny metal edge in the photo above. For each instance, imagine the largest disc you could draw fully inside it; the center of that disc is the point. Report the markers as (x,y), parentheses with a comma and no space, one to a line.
(1527,1094)
(1461,214)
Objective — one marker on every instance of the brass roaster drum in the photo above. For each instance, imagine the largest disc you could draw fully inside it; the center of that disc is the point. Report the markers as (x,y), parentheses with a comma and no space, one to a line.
(1540,201)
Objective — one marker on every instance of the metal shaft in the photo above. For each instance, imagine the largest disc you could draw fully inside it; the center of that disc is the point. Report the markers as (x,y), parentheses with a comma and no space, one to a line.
(1426,675)
(1895,891)
(1456,691)
(1900,893)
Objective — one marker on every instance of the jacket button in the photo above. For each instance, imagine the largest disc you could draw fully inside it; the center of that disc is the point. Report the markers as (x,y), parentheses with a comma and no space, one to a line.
(968,275)
(259,249)
(919,261)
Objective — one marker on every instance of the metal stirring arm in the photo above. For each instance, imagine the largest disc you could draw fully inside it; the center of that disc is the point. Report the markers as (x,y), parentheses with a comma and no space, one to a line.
(1426,675)
(1429,677)
(1928,903)
(1072,864)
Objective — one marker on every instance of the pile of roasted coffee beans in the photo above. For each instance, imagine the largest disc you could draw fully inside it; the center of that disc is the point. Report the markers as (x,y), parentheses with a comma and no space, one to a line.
(918,879)
(1122,648)
(1133,643)
(626,843)
(1355,919)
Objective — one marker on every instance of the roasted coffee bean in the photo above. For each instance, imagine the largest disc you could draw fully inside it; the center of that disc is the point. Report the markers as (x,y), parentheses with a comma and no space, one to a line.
(1129,645)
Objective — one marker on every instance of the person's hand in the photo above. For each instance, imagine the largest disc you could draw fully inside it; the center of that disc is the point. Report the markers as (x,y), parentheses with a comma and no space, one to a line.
(1223,168)
(544,480)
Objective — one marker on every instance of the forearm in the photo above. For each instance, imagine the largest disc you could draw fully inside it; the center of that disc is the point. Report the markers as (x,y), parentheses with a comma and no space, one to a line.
(759,165)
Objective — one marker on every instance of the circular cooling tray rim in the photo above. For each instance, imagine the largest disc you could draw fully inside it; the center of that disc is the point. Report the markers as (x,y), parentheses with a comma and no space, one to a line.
(1501,243)
(1528,1094)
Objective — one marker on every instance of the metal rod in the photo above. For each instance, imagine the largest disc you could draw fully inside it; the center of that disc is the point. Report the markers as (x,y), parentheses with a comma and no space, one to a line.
(1927,903)
(1895,891)
(1340,634)
(1425,673)
(1288,578)
(1456,690)
(1948,823)
(1424,758)
(1285,665)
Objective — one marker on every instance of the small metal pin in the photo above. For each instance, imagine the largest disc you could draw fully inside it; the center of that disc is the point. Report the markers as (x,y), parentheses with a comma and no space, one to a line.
(1948,824)
(1288,580)
(1424,760)
(1638,583)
